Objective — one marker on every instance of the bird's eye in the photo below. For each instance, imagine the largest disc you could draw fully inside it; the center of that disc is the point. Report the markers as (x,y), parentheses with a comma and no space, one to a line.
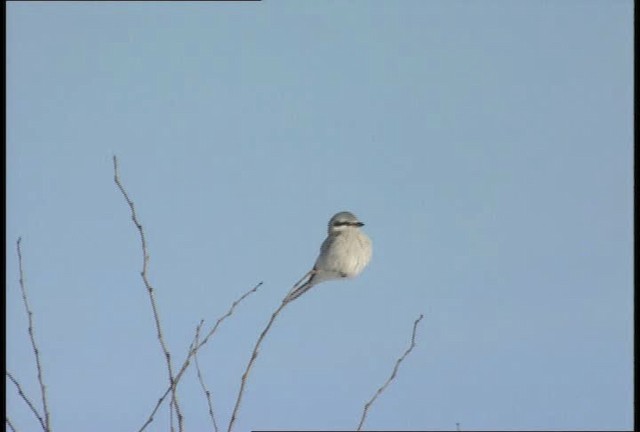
(344,223)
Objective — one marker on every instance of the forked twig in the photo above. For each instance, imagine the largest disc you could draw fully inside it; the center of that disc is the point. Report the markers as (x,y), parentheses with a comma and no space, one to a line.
(27,400)
(256,351)
(393,374)
(207,393)
(36,352)
(192,351)
(147,284)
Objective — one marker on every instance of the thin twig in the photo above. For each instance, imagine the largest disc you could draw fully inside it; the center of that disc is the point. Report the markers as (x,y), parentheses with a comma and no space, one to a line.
(193,349)
(207,393)
(256,350)
(36,352)
(393,374)
(171,406)
(254,356)
(27,401)
(143,274)
(227,315)
(10,424)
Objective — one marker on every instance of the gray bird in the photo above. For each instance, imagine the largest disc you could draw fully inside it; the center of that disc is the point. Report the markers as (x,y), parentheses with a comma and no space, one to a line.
(344,254)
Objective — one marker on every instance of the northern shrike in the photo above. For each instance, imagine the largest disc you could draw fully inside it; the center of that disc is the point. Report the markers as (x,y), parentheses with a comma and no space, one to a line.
(344,254)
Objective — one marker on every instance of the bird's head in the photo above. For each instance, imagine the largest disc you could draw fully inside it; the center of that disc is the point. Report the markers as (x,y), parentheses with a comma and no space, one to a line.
(343,221)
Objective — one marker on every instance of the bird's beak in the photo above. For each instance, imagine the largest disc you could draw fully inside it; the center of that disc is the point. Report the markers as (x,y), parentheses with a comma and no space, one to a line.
(359,224)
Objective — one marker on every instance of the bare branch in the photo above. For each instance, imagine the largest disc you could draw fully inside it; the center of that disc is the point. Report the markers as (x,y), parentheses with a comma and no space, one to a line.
(393,374)
(36,352)
(207,393)
(147,284)
(27,401)
(193,349)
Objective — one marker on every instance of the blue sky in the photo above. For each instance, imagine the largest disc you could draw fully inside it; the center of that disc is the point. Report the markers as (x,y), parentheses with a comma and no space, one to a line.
(487,146)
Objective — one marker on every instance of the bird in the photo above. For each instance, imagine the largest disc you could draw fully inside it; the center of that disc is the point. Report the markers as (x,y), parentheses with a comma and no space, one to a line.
(344,253)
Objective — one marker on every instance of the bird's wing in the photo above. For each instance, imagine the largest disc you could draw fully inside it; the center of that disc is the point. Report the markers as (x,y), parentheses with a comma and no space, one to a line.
(313,279)
(323,269)
(327,252)
(326,245)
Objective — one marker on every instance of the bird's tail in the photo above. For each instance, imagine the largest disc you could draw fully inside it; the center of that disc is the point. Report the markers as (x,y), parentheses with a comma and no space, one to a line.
(297,292)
